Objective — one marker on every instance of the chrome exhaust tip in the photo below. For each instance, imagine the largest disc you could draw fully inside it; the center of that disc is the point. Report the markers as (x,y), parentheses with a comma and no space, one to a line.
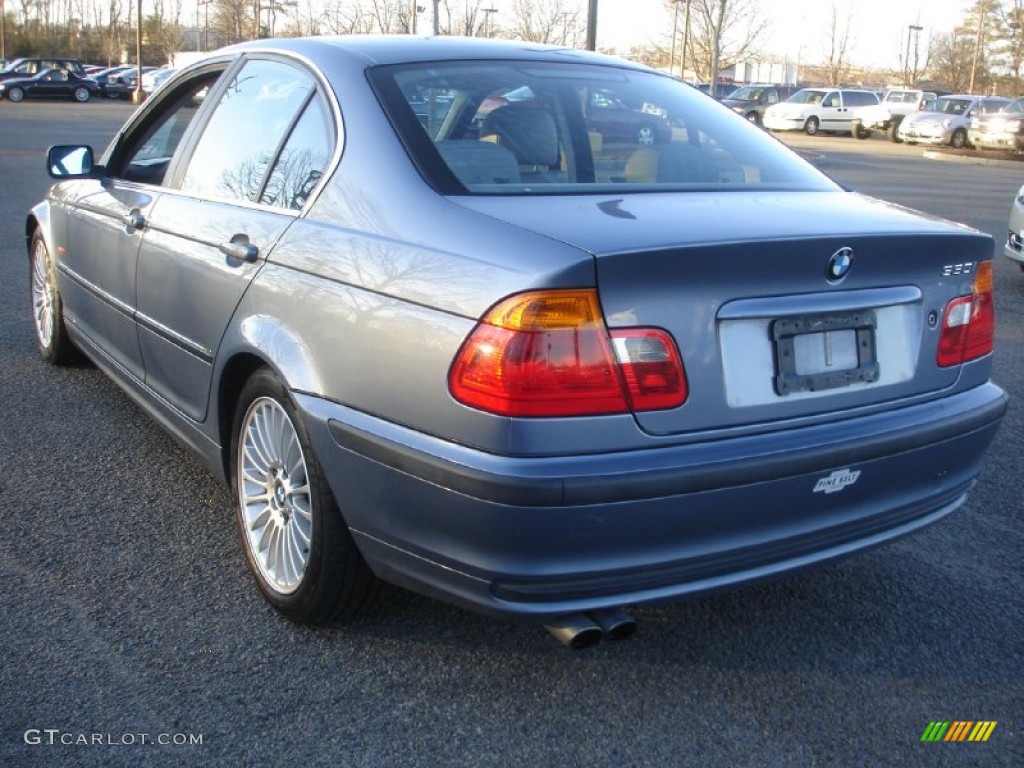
(615,623)
(575,631)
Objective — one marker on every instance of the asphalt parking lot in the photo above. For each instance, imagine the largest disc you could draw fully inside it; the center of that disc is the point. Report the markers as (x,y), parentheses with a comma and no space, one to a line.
(128,618)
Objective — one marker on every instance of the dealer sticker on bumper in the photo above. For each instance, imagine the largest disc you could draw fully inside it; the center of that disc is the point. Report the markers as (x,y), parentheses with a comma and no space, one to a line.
(837,481)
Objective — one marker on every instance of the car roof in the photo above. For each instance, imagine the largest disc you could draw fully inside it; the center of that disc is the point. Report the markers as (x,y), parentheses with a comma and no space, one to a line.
(375,50)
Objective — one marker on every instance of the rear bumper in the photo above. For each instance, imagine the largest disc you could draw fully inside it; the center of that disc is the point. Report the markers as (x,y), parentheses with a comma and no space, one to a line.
(539,537)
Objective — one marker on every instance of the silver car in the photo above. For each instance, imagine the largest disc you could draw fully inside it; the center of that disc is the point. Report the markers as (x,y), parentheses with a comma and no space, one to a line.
(434,327)
(948,120)
(1014,247)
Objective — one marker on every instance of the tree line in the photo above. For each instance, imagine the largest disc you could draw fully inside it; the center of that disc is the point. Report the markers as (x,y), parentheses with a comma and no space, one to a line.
(697,39)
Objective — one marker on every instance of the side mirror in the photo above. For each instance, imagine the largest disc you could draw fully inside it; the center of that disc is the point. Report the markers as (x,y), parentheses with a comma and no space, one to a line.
(69,161)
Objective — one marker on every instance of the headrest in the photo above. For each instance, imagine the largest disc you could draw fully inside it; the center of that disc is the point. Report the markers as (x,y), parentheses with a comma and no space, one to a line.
(527,130)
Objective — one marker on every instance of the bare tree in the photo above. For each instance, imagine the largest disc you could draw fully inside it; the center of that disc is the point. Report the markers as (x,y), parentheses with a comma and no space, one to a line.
(951,60)
(557,22)
(837,64)
(718,32)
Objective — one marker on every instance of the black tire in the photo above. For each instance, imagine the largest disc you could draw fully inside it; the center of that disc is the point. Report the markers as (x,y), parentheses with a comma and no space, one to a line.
(894,131)
(81,94)
(860,132)
(959,139)
(52,337)
(16,94)
(753,117)
(334,581)
(812,126)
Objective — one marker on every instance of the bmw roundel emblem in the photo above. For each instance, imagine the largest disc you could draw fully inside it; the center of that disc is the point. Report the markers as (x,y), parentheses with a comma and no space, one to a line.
(839,265)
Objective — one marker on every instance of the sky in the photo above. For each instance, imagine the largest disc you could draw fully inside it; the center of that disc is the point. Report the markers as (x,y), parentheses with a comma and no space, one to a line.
(797,28)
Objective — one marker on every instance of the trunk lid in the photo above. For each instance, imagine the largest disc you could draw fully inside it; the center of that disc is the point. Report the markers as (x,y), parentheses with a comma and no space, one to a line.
(739,279)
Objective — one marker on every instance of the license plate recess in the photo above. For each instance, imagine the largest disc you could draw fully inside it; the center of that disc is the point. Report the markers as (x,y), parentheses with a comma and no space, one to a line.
(817,352)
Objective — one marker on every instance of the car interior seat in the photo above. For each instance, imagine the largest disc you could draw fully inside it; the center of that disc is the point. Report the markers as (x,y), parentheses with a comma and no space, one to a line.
(670,163)
(531,134)
(479,162)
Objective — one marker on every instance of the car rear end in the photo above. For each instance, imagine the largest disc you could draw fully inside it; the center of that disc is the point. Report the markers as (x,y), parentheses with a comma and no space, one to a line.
(661,388)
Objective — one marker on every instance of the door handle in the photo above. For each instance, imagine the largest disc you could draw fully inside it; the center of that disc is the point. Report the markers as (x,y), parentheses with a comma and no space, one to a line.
(240,248)
(134,220)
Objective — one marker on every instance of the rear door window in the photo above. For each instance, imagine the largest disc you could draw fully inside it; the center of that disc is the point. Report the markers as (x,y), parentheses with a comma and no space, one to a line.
(256,113)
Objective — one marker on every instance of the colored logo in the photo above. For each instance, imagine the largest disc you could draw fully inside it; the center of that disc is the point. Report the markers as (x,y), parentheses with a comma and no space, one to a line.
(958,730)
(836,481)
(839,265)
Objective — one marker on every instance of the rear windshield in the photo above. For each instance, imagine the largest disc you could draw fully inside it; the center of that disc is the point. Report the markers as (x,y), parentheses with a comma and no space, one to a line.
(528,128)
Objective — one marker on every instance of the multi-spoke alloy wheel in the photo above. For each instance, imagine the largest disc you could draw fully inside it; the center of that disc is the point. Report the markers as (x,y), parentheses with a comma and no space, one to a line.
(296,542)
(42,295)
(273,484)
(47,307)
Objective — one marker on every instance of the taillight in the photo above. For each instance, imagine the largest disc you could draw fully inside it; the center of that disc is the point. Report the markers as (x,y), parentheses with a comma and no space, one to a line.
(969,323)
(549,354)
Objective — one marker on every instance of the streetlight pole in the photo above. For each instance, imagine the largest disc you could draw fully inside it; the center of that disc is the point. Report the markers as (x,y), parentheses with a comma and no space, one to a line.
(3,31)
(912,29)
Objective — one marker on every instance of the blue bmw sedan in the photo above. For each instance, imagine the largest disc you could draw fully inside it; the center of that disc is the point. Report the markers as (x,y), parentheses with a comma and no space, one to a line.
(436,325)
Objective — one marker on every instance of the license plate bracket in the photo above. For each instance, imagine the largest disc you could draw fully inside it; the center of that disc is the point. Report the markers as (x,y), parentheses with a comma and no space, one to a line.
(819,352)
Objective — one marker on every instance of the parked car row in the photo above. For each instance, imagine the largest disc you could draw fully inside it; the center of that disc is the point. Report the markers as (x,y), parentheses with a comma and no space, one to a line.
(58,77)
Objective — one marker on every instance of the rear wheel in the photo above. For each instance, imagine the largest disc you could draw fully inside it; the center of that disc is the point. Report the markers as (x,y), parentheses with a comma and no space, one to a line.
(16,94)
(754,117)
(47,308)
(894,131)
(296,543)
(959,139)
(81,94)
(811,126)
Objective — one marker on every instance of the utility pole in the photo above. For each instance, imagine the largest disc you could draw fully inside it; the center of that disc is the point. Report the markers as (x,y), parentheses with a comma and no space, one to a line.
(978,41)
(3,31)
(686,39)
(592,25)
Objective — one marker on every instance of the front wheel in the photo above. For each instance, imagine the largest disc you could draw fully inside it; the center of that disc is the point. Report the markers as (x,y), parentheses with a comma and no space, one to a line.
(860,132)
(296,543)
(811,126)
(959,139)
(81,94)
(16,94)
(47,308)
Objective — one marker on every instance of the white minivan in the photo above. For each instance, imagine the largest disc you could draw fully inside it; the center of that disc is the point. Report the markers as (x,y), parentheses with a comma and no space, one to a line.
(819,109)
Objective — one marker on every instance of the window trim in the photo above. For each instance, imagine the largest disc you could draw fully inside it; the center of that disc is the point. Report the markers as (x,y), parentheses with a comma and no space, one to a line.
(177,170)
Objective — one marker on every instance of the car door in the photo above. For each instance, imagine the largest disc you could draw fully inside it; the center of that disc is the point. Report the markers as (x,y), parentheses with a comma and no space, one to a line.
(834,113)
(238,188)
(51,84)
(105,221)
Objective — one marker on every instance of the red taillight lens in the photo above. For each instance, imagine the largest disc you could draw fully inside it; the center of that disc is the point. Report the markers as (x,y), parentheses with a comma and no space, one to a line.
(549,354)
(969,323)
(651,367)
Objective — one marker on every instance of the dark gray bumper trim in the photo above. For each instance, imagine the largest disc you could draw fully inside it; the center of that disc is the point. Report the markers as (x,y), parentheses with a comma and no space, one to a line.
(942,420)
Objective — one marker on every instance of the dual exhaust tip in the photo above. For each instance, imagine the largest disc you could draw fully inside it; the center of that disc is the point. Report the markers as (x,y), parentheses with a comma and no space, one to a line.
(583,630)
